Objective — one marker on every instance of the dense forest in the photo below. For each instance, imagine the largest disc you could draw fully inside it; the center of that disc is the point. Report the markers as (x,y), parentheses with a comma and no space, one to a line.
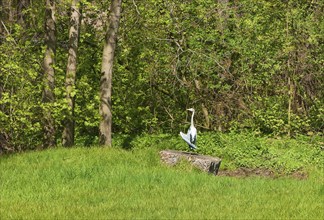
(243,65)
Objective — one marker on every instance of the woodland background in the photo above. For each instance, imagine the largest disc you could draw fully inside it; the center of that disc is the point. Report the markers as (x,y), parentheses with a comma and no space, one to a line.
(245,65)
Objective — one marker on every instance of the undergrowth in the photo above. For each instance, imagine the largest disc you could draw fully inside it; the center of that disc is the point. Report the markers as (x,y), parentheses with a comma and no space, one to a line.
(281,155)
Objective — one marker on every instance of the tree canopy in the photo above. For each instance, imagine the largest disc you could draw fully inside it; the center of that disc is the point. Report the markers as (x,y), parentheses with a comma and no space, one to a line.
(254,65)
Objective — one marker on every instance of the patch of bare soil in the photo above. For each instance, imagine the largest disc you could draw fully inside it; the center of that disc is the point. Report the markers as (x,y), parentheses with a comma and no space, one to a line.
(247,172)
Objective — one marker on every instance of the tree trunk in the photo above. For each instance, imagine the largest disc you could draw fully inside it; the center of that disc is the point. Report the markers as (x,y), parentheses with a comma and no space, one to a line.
(6,16)
(8,10)
(22,5)
(288,72)
(106,73)
(48,92)
(68,132)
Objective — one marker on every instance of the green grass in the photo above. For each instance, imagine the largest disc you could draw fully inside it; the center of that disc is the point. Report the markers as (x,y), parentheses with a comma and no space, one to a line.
(101,183)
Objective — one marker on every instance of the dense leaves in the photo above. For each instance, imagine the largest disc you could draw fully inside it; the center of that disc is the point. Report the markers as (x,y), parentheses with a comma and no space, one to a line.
(243,65)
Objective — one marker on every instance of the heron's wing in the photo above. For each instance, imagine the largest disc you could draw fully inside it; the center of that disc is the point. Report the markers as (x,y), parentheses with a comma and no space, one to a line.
(193,138)
(187,140)
(184,136)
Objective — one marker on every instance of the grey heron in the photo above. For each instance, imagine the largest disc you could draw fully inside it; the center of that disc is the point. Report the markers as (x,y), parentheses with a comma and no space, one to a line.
(191,137)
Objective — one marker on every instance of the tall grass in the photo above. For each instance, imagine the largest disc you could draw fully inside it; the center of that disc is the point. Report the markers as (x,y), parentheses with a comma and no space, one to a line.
(99,183)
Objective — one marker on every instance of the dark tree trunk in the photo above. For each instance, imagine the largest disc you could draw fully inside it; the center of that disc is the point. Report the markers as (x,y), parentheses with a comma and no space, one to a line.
(48,92)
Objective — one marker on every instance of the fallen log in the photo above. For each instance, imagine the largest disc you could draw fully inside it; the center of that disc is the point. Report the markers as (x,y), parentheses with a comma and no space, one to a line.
(202,162)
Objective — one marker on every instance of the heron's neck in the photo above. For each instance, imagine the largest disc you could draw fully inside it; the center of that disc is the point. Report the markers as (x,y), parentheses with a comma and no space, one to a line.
(192,120)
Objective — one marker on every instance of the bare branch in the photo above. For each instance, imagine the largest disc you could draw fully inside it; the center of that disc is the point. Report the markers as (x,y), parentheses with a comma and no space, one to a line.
(7,31)
(134,3)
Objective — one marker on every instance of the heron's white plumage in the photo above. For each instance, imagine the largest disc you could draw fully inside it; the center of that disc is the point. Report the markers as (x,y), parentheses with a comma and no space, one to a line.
(187,140)
(191,137)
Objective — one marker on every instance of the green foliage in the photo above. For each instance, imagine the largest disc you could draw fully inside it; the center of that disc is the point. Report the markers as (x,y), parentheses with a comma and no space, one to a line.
(249,150)
(144,141)
(20,95)
(234,58)
(230,60)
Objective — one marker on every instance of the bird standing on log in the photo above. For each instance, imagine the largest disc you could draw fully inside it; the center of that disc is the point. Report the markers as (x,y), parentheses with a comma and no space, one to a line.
(191,137)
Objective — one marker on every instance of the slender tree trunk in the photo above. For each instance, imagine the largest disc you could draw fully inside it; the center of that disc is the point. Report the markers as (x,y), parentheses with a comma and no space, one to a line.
(6,16)
(22,5)
(203,107)
(106,73)
(48,92)
(288,76)
(68,132)
(8,10)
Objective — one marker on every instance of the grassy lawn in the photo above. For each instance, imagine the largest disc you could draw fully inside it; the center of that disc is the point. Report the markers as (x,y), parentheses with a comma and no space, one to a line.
(99,183)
